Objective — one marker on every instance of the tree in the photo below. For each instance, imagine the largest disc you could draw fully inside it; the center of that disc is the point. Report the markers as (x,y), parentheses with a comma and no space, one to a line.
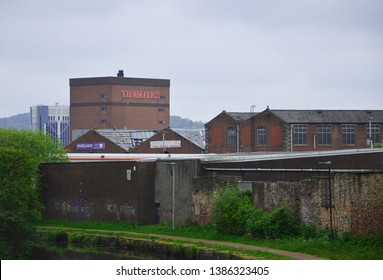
(21,152)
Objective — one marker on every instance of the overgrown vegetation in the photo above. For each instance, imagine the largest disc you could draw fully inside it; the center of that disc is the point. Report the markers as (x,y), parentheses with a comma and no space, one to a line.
(234,213)
(21,152)
(312,242)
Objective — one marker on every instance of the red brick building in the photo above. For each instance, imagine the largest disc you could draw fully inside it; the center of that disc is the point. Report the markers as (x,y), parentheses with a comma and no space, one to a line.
(119,103)
(168,140)
(293,130)
(109,141)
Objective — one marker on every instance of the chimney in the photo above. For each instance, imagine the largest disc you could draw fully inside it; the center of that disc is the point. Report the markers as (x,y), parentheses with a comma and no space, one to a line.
(120,73)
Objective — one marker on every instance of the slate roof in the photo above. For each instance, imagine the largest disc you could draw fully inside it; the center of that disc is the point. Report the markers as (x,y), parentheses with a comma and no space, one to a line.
(196,136)
(329,116)
(241,116)
(126,138)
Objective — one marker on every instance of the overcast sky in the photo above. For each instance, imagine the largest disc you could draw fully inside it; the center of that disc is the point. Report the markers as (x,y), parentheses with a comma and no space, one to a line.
(219,55)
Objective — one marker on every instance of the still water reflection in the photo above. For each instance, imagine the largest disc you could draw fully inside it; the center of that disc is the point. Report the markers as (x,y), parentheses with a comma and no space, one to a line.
(58,253)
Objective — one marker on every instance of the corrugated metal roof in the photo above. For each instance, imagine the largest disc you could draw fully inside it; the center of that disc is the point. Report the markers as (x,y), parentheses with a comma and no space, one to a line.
(196,136)
(126,138)
(329,116)
(257,156)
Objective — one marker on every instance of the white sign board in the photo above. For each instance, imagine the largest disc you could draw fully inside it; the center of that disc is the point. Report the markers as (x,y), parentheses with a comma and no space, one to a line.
(165,144)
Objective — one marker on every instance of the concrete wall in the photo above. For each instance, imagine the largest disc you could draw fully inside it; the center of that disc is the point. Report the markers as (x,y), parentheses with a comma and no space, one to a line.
(94,191)
(185,171)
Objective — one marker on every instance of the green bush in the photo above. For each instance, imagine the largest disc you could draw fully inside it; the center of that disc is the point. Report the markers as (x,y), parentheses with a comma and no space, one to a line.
(19,203)
(21,152)
(233,213)
(230,209)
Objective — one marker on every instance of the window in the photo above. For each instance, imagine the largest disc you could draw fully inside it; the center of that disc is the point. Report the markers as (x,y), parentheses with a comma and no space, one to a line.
(161,109)
(261,135)
(348,133)
(324,134)
(103,121)
(103,108)
(161,122)
(231,136)
(300,134)
(103,95)
(375,133)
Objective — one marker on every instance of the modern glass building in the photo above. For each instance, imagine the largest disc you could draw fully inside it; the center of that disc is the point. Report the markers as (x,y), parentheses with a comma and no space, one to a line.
(52,120)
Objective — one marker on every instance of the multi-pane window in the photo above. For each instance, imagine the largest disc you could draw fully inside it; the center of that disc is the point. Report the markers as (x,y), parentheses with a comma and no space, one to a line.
(231,136)
(300,134)
(348,134)
(375,133)
(261,135)
(103,121)
(324,134)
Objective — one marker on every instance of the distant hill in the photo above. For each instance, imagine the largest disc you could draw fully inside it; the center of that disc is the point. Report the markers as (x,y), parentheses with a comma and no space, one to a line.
(22,121)
(178,122)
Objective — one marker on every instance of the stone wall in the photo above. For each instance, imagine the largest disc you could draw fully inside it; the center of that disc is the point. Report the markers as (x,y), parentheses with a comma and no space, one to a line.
(357,200)
(204,189)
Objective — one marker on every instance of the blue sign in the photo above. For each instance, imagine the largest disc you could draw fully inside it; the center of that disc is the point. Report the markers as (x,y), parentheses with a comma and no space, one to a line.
(90,146)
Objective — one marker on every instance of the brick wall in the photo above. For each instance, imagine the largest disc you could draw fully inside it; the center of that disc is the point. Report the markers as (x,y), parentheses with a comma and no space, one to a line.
(99,191)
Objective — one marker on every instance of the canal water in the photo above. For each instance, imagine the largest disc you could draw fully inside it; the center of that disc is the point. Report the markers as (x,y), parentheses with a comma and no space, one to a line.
(59,253)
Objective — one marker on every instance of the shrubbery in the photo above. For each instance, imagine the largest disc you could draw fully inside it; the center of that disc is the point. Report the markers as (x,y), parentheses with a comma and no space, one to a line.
(21,152)
(234,213)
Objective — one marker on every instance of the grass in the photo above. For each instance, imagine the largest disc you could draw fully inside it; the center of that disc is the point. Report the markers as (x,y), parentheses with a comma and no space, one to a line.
(350,248)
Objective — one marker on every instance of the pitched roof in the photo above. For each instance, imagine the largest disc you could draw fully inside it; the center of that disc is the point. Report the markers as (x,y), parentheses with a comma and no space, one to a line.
(126,138)
(329,116)
(240,116)
(196,136)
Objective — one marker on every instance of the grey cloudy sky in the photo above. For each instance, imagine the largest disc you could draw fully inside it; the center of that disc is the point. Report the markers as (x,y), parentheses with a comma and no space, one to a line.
(219,55)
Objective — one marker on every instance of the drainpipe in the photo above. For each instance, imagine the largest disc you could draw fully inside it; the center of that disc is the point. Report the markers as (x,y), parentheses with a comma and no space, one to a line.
(315,142)
(238,138)
(291,138)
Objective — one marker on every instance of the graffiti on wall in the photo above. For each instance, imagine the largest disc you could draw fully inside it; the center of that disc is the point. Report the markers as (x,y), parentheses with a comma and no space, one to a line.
(77,206)
(124,210)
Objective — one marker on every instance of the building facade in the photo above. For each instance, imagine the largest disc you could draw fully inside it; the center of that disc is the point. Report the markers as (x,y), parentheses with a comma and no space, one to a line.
(52,120)
(229,132)
(109,141)
(119,103)
(174,141)
(295,130)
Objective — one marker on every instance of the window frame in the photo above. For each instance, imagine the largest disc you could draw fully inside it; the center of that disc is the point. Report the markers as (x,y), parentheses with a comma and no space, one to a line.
(348,134)
(324,135)
(300,134)
(375,133)
(261,136)
(232,136)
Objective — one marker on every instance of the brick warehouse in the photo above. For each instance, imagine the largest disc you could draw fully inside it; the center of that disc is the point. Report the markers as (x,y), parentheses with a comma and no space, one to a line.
(118,102)
(293,130)
(143,192)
